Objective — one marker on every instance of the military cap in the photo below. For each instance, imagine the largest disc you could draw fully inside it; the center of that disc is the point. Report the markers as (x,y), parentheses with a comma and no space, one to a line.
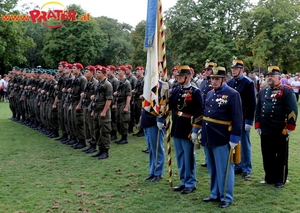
(90,68)
(273,70)
(78,65)
(63,63)
(237,63)
(122,68)
(111,67)
(209,65)
(102,69)
(68,65)
(128,66)
(175,68)
(139,68)
(16,68)
(218,72)
(184,70)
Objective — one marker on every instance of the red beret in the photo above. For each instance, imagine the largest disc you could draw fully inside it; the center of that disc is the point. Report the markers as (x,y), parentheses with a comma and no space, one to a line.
(128,66)
(175,68)
(78,65)
(69,65)
(111,67)
(102,69)
(91,68)
(122,68)
(63,63)
(139,68)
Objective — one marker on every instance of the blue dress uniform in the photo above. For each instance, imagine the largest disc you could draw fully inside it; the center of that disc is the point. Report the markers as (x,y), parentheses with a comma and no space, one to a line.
(154,138)
(245,86)
(186,103)
(222,123)
(276,115)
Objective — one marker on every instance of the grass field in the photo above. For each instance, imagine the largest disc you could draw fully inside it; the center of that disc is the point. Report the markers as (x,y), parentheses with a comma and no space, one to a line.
(39,174)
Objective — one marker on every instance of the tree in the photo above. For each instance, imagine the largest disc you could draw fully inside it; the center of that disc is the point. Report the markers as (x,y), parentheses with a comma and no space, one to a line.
(14,41)
(118,50)
(204,29)
(75,41)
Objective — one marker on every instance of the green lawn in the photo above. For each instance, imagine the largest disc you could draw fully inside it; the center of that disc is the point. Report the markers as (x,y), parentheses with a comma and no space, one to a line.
(39,174)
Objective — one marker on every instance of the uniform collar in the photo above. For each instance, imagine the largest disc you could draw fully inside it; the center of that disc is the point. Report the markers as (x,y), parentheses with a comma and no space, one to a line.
(187,85)
(240,78)
(221,89)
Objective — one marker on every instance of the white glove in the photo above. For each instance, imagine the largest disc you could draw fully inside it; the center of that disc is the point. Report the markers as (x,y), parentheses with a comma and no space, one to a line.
(194,137)
(232,145)
(199,134)
(288,131)
(160,125)
(258,130)
(247,127)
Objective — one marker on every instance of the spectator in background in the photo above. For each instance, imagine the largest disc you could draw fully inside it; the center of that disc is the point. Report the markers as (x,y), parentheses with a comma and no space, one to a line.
(5,88)
(283,80)
(296,86)
(1,88)
(261,83)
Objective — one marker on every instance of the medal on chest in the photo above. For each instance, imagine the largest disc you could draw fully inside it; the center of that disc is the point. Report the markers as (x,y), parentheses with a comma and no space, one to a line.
(222,99)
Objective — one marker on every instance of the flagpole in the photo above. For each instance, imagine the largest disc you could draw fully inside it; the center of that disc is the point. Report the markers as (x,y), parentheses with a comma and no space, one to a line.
(164,67)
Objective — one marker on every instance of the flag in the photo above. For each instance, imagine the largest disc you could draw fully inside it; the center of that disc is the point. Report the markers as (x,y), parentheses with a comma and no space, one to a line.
(152,44)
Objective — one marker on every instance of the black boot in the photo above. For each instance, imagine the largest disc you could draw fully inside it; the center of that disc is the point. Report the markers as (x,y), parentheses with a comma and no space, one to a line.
(81,144)
(104,154)
(65,140)
(61,137)
(113,135)
(54,134)
(72,141)
(123,140)
(90,149)
(97,154)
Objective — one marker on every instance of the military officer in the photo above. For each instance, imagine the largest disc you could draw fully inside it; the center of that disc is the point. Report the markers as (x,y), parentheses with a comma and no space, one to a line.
(86,104)
(123,96)
(275,119)
(205,86)
(76,110)
(137,99)
(186,103)
(245,86)
(221,131)
(133,81)
(110,69)
(102,97)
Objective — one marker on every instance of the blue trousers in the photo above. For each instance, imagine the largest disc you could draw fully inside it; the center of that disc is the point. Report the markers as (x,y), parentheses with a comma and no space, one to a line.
(217,159)
(246,152)
(155,144)
(185,156)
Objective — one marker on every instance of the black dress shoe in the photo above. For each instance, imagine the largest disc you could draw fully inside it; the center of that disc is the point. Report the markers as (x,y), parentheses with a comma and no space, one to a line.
(156,179)
(246,174)
(146,151)
(204,164)
(179,188)
(224,204)
(210,199)
(279,185)
(188,190)
(150,177)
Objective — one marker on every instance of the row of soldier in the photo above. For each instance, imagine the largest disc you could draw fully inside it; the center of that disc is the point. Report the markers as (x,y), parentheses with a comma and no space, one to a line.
(88,107)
